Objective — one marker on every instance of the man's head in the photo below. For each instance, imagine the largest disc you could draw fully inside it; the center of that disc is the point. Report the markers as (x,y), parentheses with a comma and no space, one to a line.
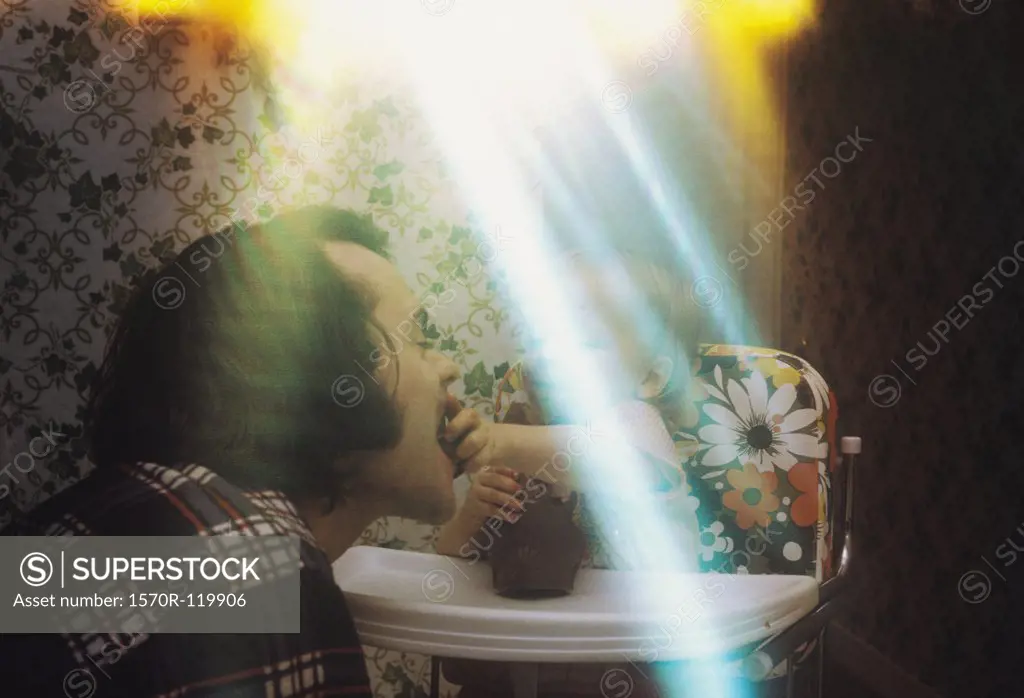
(251,355)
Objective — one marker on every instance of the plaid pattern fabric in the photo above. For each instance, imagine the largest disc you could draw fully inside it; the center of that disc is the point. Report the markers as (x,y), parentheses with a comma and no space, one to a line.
(325,659)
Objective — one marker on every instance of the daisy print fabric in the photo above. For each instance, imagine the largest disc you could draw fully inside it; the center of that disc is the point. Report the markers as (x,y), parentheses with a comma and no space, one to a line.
(757,452)
(758,455)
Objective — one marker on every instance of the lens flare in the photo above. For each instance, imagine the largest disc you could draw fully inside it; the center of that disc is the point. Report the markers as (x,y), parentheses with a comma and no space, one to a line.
(488,74)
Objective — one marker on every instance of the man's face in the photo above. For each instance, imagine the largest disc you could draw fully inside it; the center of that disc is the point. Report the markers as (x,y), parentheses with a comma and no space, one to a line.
(414,479)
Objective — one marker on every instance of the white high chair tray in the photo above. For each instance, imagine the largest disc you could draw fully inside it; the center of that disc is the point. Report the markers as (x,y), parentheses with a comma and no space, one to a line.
(446,607)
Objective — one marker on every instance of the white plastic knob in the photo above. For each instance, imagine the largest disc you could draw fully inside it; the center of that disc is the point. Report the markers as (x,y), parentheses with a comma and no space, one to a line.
(756,666)
(850,445)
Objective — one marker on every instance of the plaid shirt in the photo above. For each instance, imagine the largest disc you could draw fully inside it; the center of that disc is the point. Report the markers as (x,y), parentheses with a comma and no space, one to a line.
(325,659)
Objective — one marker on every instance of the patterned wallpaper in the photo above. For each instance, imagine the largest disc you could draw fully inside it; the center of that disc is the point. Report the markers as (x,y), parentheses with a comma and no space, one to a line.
(902,287)
(119,147)
(115,153)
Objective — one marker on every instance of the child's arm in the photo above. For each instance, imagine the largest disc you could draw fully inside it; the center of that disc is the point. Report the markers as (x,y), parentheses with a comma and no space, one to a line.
(493,493)
(456,533)
(552,453)
(558,453)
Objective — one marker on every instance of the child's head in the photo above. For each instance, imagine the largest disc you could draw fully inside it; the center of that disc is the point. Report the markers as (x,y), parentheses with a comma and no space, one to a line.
(638,318)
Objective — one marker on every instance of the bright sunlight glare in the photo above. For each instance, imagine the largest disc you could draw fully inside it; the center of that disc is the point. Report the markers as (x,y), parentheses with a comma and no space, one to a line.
(487,73)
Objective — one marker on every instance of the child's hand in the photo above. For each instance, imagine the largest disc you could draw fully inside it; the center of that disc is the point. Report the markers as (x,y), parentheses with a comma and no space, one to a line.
(494,494)
(471,439)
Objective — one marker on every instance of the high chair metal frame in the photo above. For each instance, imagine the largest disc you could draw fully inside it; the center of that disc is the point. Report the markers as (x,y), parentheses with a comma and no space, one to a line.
(784,646)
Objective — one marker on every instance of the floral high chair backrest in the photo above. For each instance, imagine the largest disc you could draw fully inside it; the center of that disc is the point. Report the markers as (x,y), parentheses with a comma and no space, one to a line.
(759,455)
(757,448)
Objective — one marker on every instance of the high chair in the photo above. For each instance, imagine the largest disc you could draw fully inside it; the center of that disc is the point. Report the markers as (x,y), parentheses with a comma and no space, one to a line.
(778,431)
(759,452)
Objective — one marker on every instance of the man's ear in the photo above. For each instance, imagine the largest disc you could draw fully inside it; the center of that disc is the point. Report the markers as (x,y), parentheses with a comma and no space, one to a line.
(657,379)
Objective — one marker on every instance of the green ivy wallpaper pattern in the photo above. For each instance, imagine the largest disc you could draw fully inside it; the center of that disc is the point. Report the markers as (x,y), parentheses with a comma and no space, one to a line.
(112,162)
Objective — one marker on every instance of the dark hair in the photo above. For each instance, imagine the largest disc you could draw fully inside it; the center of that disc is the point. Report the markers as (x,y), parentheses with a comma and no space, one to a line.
(228,356)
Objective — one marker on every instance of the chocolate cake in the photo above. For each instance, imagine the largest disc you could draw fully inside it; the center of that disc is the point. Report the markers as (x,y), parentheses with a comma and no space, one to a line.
(539,555)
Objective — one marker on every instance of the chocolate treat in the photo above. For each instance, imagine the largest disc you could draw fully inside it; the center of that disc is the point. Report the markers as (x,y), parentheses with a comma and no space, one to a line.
(539,555)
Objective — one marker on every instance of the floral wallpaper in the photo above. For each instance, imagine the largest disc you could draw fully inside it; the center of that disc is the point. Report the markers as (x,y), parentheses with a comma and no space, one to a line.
(118,147)
(121,146)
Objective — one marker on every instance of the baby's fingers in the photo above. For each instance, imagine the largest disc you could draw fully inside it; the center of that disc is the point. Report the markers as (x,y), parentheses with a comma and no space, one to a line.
(510,511)
(501,479)
(464,422)
(497,498)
